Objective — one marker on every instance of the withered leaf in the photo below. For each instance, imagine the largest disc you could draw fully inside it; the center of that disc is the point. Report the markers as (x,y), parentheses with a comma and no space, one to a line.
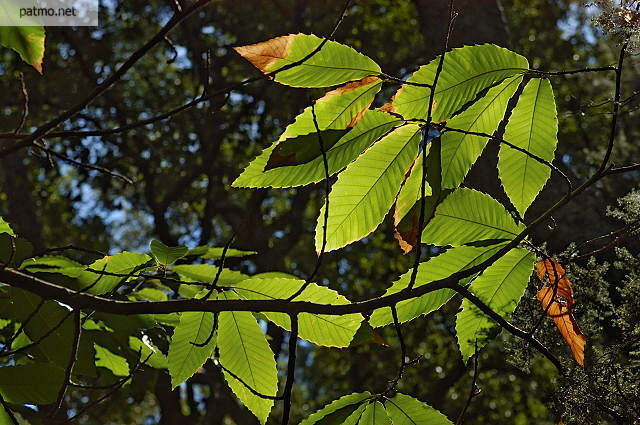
(263,55)
(557,300)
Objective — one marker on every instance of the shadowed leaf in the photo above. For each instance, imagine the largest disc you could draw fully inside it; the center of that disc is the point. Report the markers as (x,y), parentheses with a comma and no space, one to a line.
(27,41)
(374,124)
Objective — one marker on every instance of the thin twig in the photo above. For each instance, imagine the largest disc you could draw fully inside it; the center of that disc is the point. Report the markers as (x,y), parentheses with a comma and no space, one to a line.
(72,361)
(403,353)
(291,369)
(69,248)
(247,386)
(25,105)
(23,324)
(473,392)
(571,72)
(11,415)
(616,107)
(79,164)
(325,217)
(630,229)
(120,383)
(418,246)
(40,339)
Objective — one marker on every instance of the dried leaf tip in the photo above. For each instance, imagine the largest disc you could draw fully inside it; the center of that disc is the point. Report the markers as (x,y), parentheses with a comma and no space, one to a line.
(266,54)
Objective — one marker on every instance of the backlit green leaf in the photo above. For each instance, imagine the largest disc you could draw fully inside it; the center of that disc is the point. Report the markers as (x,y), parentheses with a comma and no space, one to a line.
(166,255)
(469,216)
(206,273)
(354,418)
(370,128)
(500,286)
(184,357)
(333,64)
(53,264)
(405,410)
(338,410)
(116,364)
(245,352)
(335,112)
(5,228)
(444,265)
(205,251)
(366,190)
(326,330)
(466,72)
(107,273)
(461,150)
(532,126)
(374,414)
(155,358)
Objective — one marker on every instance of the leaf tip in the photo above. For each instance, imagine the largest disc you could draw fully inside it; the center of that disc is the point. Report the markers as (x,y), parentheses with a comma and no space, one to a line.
(266,54)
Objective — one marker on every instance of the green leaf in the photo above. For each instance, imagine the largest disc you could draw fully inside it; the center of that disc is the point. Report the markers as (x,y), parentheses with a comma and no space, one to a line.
(32,383)
(370,128)
(206,273)
(123,265)
(461,150)
(533,126)
(466,72)
(338,410)
(325,330)
(5,419)
(469,216)
(185,358)
(245,352)
(149,294)
(406,216)
(444,265)
(13,250)
(365,191)
(410,192)
(500,286)
(116,364)
(336,112)
(155,357)
(4,226)
(205,251)
(354,418)
(51,325)
(374,414)
(53,264)
(333,64)
(167,255)
(405,410)
(27,41)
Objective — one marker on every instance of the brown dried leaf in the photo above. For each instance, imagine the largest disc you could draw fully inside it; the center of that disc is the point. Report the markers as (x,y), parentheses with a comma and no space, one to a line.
(263,55)
(554,271)
(557,300)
